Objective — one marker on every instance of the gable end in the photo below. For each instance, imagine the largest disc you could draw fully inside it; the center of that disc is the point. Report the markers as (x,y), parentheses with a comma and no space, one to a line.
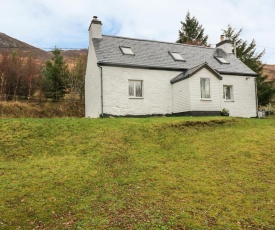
(194,70)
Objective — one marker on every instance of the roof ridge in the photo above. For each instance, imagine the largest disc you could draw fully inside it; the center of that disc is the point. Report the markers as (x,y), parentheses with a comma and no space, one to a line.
(148,40)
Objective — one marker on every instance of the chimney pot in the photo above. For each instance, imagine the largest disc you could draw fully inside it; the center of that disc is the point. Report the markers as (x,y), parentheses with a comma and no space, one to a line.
(222,37)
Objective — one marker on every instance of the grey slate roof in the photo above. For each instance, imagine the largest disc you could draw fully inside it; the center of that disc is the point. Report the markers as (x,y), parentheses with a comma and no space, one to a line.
(190,72)
(155,54)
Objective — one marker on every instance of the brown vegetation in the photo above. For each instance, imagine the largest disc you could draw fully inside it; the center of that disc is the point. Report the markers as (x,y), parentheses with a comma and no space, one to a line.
(68,108)
(21,80)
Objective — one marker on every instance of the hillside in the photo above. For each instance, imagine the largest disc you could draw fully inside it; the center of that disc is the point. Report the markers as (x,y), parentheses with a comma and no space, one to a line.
(7,43)
(270,71)
(149,173)
(71,56)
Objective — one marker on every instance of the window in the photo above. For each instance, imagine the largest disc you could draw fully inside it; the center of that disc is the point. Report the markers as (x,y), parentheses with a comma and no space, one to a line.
(205,88)
(126,50)
(135,89)
(176,56)
(222,60)
(228,92)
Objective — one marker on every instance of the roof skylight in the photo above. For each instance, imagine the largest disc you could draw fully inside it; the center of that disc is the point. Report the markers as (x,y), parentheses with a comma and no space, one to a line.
(176,56)
(126,50)
(222,60)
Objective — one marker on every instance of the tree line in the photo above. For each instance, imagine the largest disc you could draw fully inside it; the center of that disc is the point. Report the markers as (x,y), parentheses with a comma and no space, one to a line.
(23,77)
(192,32)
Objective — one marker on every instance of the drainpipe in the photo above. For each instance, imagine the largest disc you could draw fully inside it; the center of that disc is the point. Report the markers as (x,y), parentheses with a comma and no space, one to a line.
(256,94)
(101,84)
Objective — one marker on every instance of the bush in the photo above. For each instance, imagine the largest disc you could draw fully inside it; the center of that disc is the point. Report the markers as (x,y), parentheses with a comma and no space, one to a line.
(68,108)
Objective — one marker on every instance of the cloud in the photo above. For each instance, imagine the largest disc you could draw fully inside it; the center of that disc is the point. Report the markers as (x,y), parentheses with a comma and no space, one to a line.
(64,23)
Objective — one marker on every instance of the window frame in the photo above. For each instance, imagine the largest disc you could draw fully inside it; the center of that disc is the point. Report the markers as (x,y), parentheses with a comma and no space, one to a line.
(231,92)
(175,58)
(205,98)
(126,47)
(135,90)
(222,60)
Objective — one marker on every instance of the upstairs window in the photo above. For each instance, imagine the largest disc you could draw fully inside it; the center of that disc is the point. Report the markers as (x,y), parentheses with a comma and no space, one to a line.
(176,56)
(135,89)
(228,92)
(126,50)
(205,88)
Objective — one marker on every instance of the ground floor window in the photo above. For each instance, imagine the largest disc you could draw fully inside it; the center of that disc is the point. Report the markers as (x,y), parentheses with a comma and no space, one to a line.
(135,89)
(205,87)
(228,92)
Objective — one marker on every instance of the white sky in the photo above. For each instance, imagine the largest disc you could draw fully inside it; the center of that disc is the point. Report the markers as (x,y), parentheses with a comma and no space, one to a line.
(64,23)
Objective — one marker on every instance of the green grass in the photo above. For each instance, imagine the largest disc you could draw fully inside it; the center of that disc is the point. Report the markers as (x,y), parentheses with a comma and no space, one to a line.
(150,173)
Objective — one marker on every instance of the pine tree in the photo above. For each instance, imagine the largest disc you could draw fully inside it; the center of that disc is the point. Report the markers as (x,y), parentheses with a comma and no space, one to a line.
(192,32)
(247,53)
(55,76)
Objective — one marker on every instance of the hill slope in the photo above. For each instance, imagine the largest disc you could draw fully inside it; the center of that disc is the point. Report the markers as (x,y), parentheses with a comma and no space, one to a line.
(270,71)
(7,43)
(150,173)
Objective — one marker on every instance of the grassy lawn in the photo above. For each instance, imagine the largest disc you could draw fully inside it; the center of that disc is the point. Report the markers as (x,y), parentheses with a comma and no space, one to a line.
(149,173)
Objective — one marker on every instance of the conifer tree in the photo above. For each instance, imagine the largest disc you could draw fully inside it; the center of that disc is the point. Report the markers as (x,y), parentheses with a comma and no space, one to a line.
(247,53)
(55,76)
(192,32)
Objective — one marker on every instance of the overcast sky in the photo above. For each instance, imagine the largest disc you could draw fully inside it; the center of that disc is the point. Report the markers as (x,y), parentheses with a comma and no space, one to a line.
(64,23)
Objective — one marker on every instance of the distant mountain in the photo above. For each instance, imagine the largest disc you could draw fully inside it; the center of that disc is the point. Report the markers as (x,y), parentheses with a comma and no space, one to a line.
(270,71)
(8,43)
(71,56)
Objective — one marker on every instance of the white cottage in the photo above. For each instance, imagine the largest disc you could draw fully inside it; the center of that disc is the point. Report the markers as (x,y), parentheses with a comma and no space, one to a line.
(135,77)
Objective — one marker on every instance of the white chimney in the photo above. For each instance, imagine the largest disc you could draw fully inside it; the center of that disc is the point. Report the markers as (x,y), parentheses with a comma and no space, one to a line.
(95,28)
(226,45)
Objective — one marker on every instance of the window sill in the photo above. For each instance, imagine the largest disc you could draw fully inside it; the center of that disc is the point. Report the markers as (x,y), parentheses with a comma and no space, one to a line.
(206,99)
(229,101)
(136,97)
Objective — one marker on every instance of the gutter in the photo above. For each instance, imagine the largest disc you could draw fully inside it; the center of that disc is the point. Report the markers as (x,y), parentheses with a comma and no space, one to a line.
(140,66)
(237,73)
(101,90)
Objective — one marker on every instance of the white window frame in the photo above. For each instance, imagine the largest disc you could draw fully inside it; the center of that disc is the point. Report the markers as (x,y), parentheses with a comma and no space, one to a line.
(205,98)
(127,50)
(135,93)
(231,92)
(222,60)
(176,56)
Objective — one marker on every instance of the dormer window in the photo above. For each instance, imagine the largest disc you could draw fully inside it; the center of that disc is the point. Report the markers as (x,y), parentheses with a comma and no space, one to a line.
(176,56)
(126,50)
(222,60)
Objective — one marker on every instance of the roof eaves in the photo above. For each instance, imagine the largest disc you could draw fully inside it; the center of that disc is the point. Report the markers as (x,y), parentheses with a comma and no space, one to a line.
(205,65)
(237,73)
(178,78)
(139,66)
(192,71)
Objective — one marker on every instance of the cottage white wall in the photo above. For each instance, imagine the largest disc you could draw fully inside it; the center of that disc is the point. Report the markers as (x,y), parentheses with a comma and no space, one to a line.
(157,91)
(92,85)
(198,104)
(244,96)
(181,96)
